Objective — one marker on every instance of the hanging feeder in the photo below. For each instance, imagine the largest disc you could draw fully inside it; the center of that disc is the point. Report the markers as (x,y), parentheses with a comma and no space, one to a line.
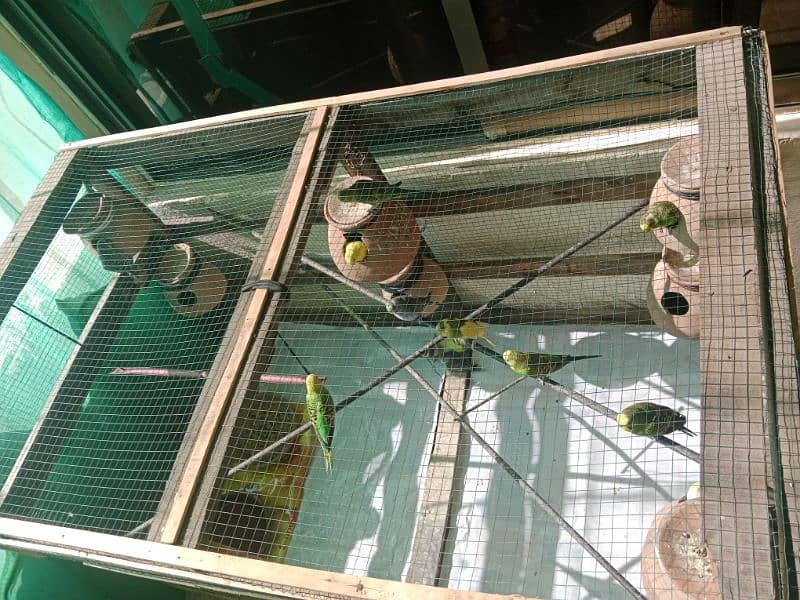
(674,307)
(192,286)
(390,233)
(426,282)
(675,561)
(117,229)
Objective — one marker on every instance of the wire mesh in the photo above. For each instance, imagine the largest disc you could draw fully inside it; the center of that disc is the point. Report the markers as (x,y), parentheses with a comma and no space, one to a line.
(483,187)
(154,239)
(488,285)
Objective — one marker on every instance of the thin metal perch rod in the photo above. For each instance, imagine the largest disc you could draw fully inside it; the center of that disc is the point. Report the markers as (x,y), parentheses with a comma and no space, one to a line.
(187,374)
(413,356)
(503,389)
(139,528)
(348,282)
(340,406)
(527,488)
(512,289)
(594,405)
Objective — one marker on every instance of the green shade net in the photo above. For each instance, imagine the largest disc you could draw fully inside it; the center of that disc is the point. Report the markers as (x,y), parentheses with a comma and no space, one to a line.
(39,334)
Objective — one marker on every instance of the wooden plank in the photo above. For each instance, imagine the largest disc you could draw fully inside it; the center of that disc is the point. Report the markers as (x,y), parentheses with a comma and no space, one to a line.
(663,105)
(441,480)
(38,224)
(735,461)
(229,363)
(219,572)
(54,425)
(601,56)
(263,346)
(785,325)
(638,263)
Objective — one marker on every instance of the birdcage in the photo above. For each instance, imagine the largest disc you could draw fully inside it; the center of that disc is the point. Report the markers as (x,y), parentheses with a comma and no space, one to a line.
(400,343)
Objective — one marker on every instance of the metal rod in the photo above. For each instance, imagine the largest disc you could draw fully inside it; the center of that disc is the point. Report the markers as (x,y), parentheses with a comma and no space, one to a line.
(46,324)
(289,348)
(526,487)
(187,374)
(505,388)
(139,528)
(555,260)
(349,283)
(341,405)
(594,405)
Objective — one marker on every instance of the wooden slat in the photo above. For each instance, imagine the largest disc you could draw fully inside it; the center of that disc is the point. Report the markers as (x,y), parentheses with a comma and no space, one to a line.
(607,55)
(735,462)
(440,482)
(229,363)
(263,345)
(786,333)
(54,425)
(41,219)
(663,105)
(218,572)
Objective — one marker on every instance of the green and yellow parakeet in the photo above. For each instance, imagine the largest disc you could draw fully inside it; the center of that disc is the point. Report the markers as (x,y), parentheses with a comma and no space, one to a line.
(649,419)
(660,214)
(463,330)
(355,252)
(370,191)
(539,365)
(321,412)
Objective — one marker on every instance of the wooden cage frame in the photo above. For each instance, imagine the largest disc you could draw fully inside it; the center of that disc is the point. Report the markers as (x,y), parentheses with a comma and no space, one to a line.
(746,573)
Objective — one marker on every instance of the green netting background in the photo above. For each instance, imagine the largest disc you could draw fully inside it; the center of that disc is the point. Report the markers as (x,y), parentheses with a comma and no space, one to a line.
(49,315)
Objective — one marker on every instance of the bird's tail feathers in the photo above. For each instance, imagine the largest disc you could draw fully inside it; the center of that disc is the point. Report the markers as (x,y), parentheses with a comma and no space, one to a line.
(328,456)
(687,431)
(585,356)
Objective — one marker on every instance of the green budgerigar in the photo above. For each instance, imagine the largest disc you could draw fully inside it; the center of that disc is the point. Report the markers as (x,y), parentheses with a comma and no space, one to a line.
(371,191)
(321,412)
(660,214)
(653,420)
(463,330)
(539,365)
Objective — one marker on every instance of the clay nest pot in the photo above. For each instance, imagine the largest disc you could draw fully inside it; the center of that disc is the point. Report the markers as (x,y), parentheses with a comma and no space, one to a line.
(673,307)
(675,560)
(390,233)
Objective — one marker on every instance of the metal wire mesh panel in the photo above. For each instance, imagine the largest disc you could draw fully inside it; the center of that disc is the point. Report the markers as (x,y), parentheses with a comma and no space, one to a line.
(475,226)
(125,312)
(510,328)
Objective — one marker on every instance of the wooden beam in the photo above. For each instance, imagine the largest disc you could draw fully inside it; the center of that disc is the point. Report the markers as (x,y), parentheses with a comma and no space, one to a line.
(735,462)
(38,224)
(263,345)
(442,479)
(230,361)
(601,56)
(638,263)
(218,572)
(785,331)
(664,105)
(32,467)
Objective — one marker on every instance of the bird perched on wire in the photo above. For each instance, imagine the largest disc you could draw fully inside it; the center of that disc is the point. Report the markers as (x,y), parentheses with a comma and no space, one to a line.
(321,412)
(661,214)
(650,419)
(539,365)
(355,252)
(463,330)
(371,191)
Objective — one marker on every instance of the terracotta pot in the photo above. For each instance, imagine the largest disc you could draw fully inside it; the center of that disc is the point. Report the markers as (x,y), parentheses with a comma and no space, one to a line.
(675,565)
(190,284)
(681,169)
(427,280)
(674,308)
(122,223)
(681,239)
(391,235)
(678,272)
